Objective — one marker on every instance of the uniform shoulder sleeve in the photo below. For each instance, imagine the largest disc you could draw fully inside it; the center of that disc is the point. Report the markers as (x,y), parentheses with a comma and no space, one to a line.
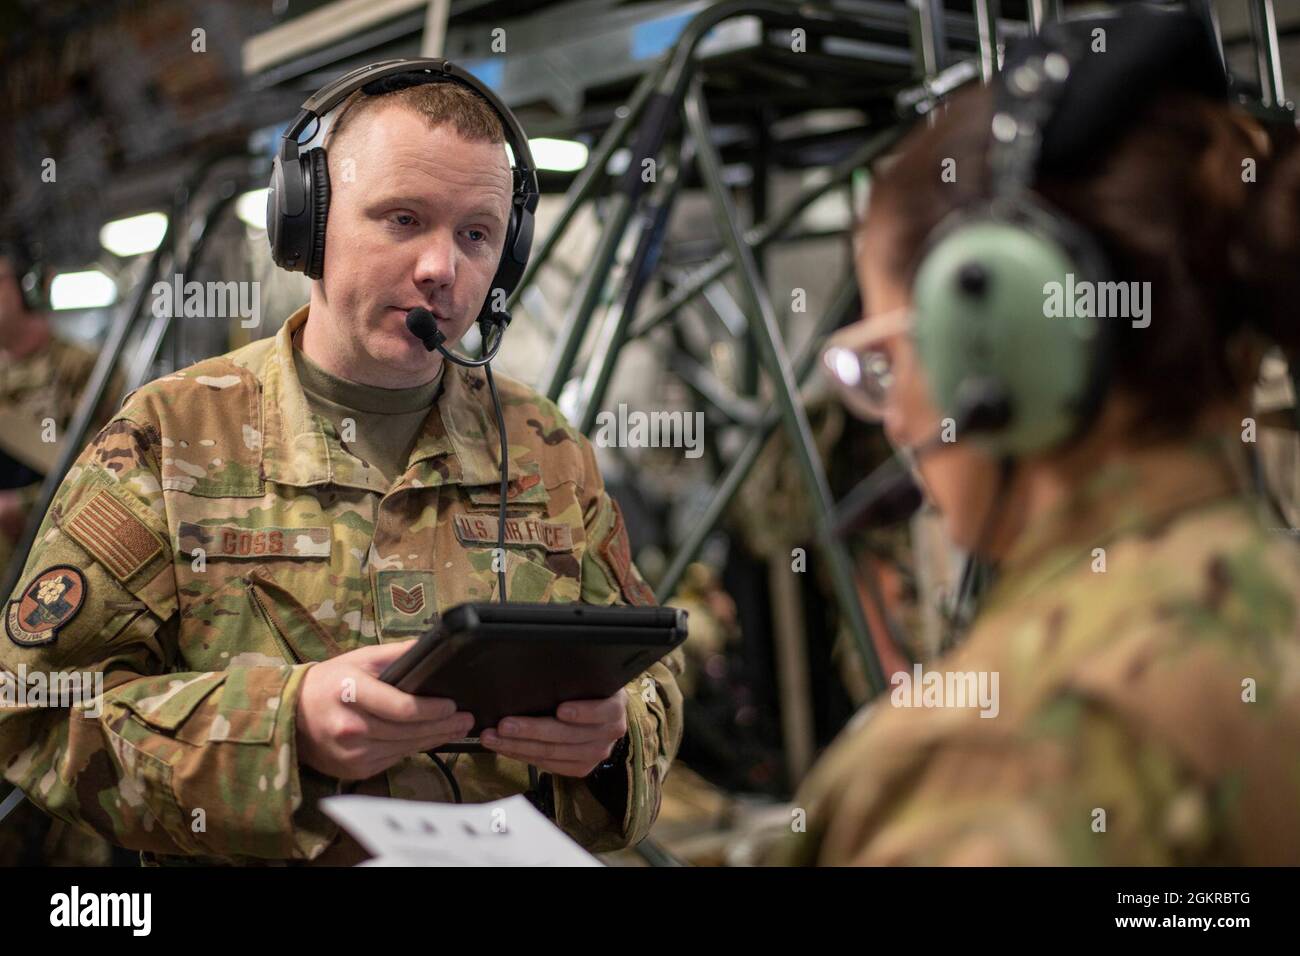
(609,575)
(626,810)
(155,759)
(1083,790)
(107,523)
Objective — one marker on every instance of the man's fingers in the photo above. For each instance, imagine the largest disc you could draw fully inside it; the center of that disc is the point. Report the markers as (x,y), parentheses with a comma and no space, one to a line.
(392,750)
(384,700)
(605,711)
(377,728)
(555,731)
(538,750)
(374,659)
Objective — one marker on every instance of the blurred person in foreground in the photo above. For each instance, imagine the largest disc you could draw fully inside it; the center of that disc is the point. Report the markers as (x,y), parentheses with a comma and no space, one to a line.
(1140,637)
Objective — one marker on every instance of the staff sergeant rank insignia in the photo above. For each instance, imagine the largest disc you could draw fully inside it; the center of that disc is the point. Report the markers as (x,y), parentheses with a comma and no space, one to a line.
(52,600)
(408,601)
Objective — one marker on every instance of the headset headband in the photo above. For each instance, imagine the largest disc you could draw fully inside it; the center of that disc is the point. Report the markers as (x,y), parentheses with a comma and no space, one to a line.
(297,206)
(1146,53)
(1026,100)
(320,103)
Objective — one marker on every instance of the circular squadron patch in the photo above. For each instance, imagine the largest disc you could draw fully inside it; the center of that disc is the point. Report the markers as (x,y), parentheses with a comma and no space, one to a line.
(50,601)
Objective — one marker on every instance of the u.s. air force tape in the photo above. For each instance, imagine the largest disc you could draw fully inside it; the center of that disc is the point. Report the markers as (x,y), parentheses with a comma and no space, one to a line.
(482,529)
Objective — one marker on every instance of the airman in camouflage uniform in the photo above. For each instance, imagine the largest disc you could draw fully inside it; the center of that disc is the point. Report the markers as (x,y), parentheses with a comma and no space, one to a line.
(46,385)
(1148,711)
(227,540)
(41,382)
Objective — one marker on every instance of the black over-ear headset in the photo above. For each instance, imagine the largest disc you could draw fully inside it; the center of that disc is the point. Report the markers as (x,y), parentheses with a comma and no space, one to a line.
(1009,376)
(297,205)
(1029,382)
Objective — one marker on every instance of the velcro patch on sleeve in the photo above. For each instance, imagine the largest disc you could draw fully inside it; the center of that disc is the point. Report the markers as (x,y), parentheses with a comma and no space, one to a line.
(114,535)
(482,529)
(51,599)
(404,601)
(233,541)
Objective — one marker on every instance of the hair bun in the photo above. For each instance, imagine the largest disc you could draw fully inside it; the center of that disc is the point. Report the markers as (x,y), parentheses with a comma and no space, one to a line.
(1267,253)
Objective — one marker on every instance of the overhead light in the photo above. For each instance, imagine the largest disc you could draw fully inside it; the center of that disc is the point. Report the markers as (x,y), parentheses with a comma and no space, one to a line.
(560,155)
(251,208)
(82,290)
(134,235)
(619,160)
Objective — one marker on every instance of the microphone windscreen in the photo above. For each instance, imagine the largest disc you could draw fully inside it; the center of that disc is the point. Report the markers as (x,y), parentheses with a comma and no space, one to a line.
(421,323)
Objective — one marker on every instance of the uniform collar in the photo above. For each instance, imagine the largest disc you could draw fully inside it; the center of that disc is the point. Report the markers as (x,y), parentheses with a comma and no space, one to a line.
(457,444)
(1133,495)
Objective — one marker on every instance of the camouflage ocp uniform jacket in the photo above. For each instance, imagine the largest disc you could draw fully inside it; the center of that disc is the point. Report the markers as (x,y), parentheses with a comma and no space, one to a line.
(226,539)
(1147,645)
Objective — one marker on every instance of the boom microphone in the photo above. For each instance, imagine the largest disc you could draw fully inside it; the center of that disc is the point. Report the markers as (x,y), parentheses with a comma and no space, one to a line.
(889,494)
(421,323)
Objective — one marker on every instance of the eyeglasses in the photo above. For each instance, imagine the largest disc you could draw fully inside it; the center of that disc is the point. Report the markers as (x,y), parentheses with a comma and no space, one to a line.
(860,363)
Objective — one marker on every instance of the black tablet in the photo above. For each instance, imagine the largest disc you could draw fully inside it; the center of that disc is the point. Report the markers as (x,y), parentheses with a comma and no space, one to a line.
(502,660)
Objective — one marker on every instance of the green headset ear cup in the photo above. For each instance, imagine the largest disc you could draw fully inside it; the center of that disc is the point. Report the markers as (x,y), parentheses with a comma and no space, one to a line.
(320,209)
(980,299)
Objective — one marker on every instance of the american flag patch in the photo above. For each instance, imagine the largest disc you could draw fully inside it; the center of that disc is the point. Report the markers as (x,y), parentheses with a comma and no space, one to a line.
(118,539)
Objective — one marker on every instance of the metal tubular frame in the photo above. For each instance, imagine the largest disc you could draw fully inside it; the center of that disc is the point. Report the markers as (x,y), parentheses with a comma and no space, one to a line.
(613,332)
(663,90)
(772,354)
(929,36)
(1043,12)
(648,124)
(1263,28)
(668,94)
(760,235)
(587,182)
(123,325)
(736,473)
(986,25)
(154,336)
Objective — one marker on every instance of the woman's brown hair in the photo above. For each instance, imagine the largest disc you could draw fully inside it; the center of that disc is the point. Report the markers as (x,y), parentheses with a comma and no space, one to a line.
(1171,203)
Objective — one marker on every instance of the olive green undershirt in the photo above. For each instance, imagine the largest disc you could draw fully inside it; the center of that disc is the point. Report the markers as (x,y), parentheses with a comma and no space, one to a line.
(387,419)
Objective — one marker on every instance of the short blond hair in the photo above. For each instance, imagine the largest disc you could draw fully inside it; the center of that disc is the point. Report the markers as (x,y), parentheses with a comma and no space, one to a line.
(441,103)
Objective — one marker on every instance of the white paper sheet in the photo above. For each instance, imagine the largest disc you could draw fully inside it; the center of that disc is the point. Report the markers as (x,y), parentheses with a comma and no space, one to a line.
(508,832)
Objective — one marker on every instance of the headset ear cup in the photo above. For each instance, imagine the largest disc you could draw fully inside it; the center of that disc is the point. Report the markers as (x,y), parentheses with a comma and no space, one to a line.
(981,320)
(523,236)
(320,208)
(510,269)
